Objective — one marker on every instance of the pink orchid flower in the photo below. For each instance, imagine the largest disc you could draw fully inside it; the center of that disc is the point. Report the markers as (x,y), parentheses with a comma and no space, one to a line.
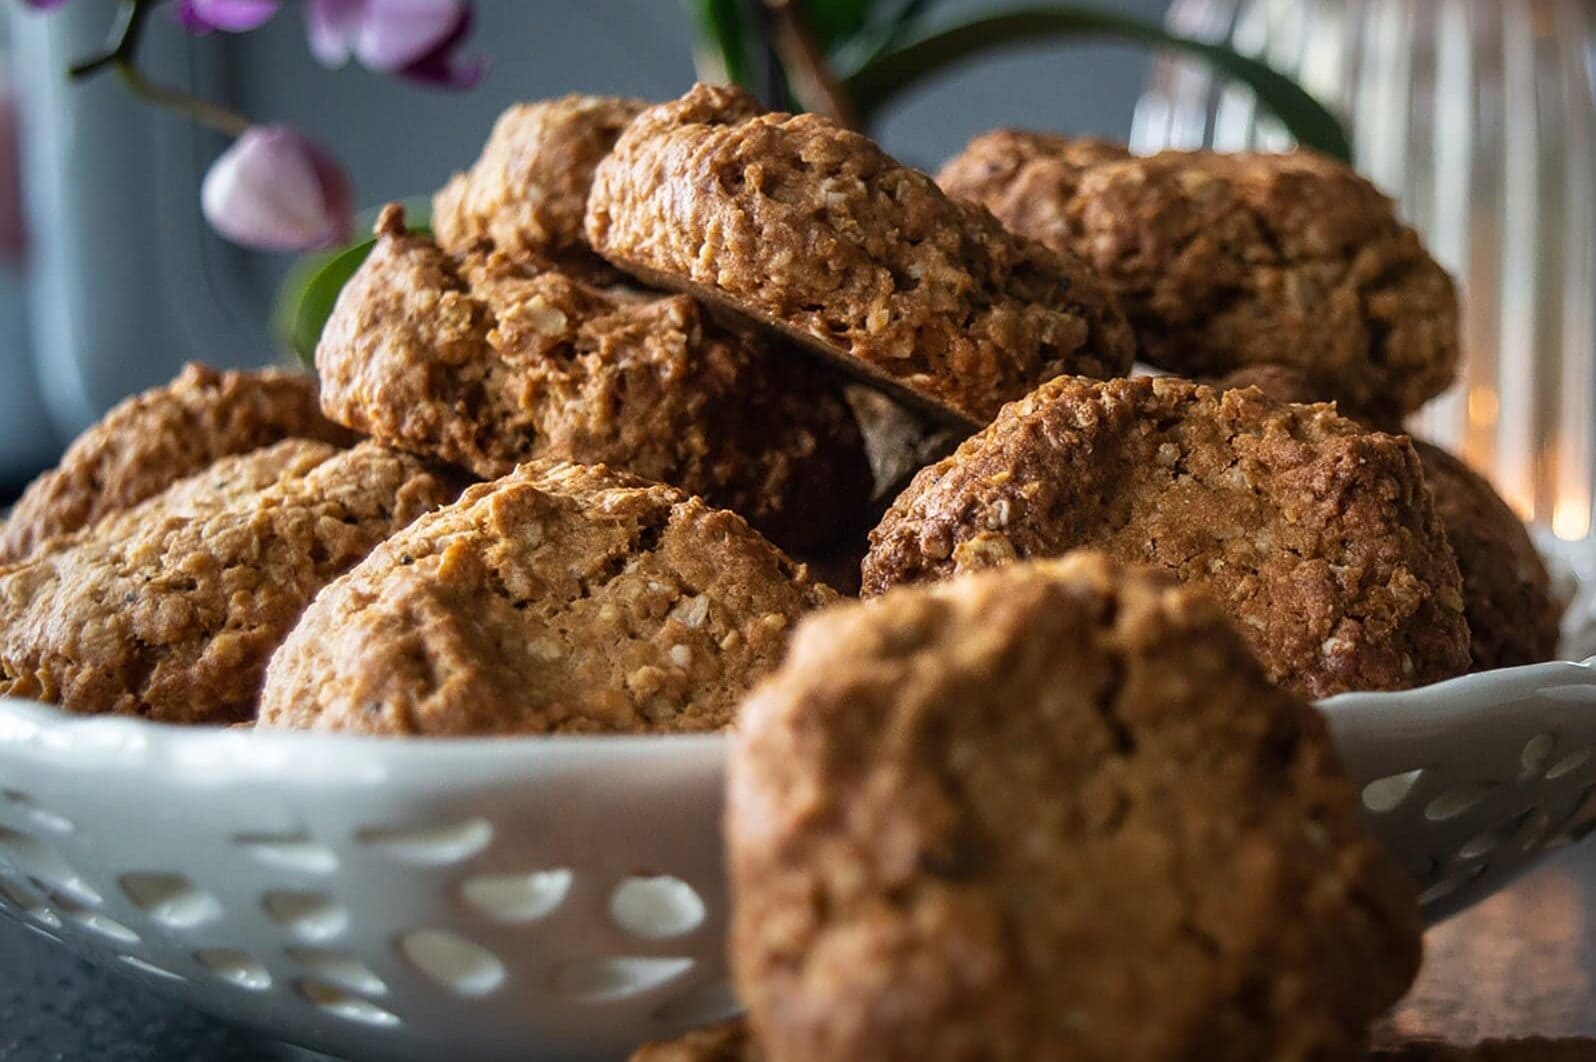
(275,190)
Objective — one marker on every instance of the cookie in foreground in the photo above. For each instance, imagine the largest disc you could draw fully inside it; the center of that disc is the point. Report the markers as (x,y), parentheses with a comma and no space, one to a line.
(154,439)
(1054,811)
(486,362)
(561,598)
(1315,534)
(814,231)
(170,610)
(1227,260)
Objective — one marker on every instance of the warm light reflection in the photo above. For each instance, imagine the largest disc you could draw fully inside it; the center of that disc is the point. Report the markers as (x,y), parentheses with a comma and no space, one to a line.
(1571,518)
(1483,406)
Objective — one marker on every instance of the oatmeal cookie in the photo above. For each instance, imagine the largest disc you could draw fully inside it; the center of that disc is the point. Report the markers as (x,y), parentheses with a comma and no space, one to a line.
(156,438)
(1054,811)
(1317,535)
(486,362)
(814,231)
(729,1041)
(560,598)
(526,193)
(171,609)
(1507,596)
(1222,261)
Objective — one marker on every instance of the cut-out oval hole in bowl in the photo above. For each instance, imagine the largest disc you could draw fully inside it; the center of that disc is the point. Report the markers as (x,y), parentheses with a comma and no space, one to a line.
(171,900)
(1568,764)
(307,914)
(140,965)
(613,977)
(339,1003)
(295,852)
(345,971)
(656,906)
(431,845)
(454,962)
(1387,794)
(236,968)
(1536,754)
(518,897)
(1455,802)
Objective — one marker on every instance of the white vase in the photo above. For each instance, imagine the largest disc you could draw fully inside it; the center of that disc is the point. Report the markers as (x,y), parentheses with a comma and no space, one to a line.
(1479,117)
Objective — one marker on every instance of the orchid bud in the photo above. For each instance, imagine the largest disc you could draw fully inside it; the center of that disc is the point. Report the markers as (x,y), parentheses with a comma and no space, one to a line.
(229,16)
(275,190)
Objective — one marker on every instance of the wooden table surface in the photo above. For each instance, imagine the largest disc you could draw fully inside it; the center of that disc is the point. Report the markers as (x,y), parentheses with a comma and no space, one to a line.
(1523,963)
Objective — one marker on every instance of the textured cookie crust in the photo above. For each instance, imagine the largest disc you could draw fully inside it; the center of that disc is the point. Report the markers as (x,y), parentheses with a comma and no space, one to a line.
(526,193)
(814,230)
(561,598)
(1053,812)
(1316,535)
(729,1041)
(171,609)
(1222,261)
(1507,597)
(1507,594)
(486,363)
(154,439)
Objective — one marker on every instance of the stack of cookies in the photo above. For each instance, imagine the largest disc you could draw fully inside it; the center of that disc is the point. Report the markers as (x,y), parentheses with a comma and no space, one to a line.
(1057,791)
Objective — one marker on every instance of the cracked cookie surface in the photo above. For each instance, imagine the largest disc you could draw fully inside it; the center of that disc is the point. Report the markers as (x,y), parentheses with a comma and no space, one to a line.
(526,193)
(1317,535)
(485,363)
(154,439)
(813,230)
(561,598)
(170,609)
(1054,811)
(1227,260)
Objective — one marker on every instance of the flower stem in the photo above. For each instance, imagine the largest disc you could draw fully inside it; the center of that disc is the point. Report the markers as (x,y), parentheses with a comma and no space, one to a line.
(131,18)
(808,72)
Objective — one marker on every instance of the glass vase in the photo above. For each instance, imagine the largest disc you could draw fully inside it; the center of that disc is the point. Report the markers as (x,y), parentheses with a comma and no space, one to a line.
(1479,118)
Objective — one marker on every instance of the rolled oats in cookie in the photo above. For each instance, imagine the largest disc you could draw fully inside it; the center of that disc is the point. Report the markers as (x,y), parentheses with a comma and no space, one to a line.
(730,1041)
(154,439)
(560,598)
(1315,534)
(1512,615)
(486,362)
(526,194)
(1051,812)
(814,231)
(170,610)
(1223,261)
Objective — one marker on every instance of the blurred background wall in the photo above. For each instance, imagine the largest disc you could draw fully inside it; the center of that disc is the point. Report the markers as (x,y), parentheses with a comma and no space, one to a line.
(120,282)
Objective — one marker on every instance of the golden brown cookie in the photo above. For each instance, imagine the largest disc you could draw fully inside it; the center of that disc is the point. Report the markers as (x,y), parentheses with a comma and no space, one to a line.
(730,1041)
(526,193)
(1316,535)
(1050,812)
(560,598)
(1507,597)
(154,439)
(486,362)
(1223,261)
(814,231)
(170,609)
(1528,1049)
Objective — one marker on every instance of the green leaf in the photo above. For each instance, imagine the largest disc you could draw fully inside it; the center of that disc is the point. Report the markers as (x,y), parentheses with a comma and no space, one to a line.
(902,67)
(834,21)
(307,295)
(723,41)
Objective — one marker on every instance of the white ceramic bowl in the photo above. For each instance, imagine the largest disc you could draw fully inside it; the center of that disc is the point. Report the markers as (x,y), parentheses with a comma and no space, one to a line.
(563,898)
